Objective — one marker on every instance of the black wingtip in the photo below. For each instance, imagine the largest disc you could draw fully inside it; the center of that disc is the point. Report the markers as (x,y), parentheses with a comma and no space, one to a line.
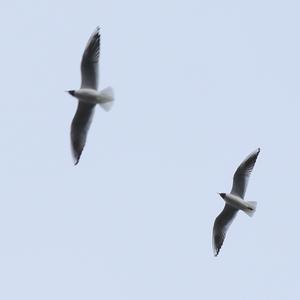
(76,158)
(97,31)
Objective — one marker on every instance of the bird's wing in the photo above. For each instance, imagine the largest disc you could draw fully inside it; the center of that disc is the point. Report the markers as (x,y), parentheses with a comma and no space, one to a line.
(221,225)
(242,174)
(89,62)
(79,128)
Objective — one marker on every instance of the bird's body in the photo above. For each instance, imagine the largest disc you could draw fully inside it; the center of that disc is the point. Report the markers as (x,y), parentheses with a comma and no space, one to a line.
(88,95)
(237,202)
(91,96)
(234,201)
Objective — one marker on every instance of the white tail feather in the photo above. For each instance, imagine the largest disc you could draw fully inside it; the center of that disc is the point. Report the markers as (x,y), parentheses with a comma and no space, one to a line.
(252,208)
(106,98)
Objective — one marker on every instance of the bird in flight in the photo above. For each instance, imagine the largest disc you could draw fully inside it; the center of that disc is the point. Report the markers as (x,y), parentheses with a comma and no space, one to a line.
(234,201)
(88,95)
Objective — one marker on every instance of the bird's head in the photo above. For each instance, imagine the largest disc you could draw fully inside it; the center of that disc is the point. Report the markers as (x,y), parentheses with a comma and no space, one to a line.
(222,195)
(72,92)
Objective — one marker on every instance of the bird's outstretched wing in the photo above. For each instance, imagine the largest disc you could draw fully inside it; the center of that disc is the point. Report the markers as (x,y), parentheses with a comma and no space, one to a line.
(79,128)
(221,225)
(242,174)
(89,62)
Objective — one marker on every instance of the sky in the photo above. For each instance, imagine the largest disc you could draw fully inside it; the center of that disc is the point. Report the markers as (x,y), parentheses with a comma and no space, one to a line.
(198,86)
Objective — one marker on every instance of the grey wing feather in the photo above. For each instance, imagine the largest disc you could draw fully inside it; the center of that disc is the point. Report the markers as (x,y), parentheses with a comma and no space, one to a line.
(89,62)
(79,128)
(221,225)
(242,174)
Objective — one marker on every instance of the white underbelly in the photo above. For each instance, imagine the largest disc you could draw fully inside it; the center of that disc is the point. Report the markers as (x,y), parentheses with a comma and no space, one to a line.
(88,96)
(236,202)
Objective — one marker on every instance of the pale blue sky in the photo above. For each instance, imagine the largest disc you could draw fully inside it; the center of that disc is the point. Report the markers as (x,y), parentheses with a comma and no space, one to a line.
(199,85)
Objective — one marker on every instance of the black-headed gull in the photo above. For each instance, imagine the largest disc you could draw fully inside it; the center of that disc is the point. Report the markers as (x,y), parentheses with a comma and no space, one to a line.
(88,95)
(234,201)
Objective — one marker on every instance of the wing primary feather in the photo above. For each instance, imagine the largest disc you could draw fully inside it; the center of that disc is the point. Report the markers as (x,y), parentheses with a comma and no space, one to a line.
(242,174)
(90,61)
(80,127)
(221,225)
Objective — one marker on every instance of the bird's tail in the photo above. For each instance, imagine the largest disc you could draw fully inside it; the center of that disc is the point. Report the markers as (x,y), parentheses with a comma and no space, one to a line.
(251,209)
(106,98)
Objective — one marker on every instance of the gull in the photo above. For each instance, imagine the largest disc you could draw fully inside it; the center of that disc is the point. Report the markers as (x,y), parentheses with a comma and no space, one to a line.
(88,96)
(234,201)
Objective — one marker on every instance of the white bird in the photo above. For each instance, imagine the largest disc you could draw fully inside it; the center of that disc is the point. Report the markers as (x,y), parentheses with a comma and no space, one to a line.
(88,96)
(234,201)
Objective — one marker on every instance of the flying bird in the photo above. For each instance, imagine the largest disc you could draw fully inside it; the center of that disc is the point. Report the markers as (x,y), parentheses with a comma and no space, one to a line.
(234,201)
(88,95)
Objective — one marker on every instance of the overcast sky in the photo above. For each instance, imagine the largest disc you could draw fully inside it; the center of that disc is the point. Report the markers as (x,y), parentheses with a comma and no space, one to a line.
(199,85)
